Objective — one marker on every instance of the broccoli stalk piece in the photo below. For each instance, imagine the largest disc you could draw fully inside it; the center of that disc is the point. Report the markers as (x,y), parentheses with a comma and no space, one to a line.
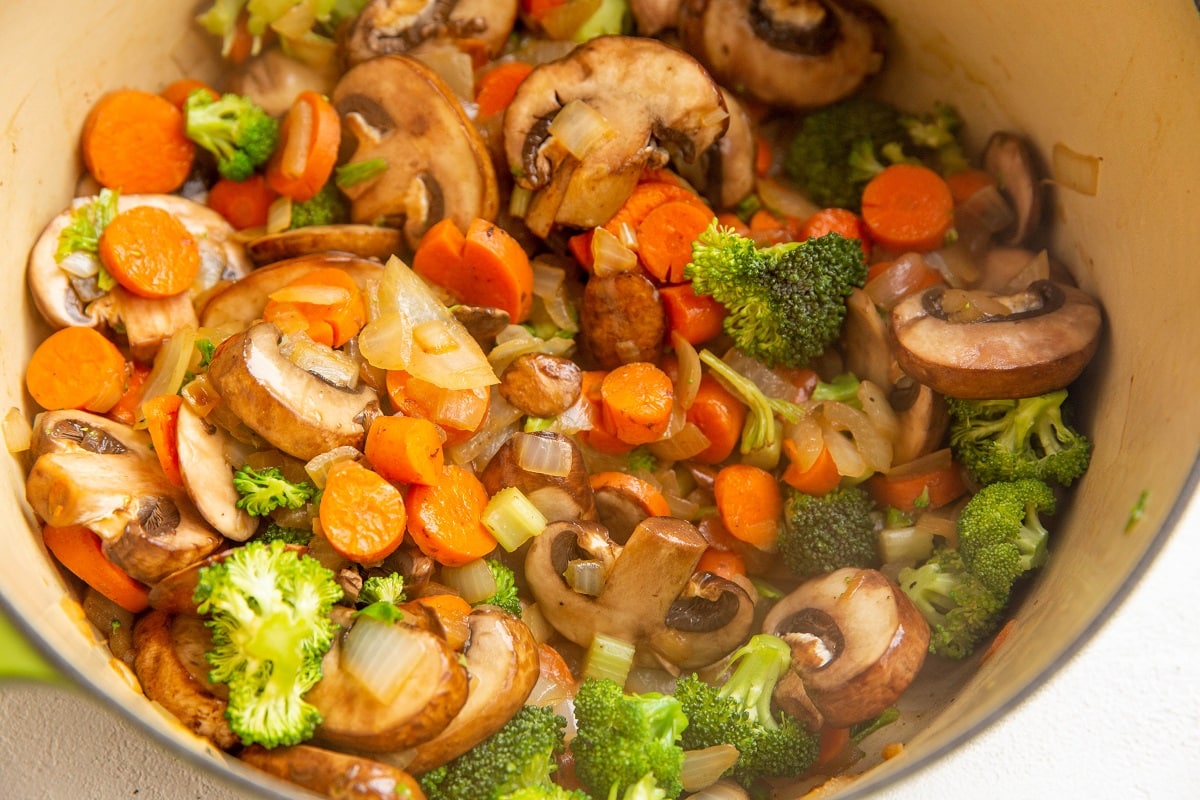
(233,128)
(960,610)
(759,432)
(269,617)
(739,713)
(822,534)
(505,595)
(1005,440)
(327,207)
(622,737)
(514,763)
(786,302)
(266,489)
(1000,533)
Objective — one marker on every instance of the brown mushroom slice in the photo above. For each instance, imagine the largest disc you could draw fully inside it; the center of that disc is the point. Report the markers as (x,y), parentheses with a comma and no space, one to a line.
(562,494)
(208,476)
(541,384)
(427,697)
(398,109)
(340,776)
(168,681)
(293,409)
(501,657)
(710,618)
(222,257)
(364,241)
(725,173)
(98,473)
(797,53)
(1009,158)
(655,16)
(864,344)
(389,27)
(272,79)
(1043,345)
(923,418)
(147,322)
(857,642)
(484,323)
(644,92)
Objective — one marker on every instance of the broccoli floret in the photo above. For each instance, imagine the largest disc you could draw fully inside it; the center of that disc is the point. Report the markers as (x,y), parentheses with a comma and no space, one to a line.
(739,713)
(327,207)
(622,737)
(521,756)
(821,534)
(960,610)
(938,132)
(786,302)
(381,596)
(546,791)
(645,789)
(277,532)
(1000,532)
(233,128)
(505,595)
(759,431)
(1004,440)
(266,489)
(269,617)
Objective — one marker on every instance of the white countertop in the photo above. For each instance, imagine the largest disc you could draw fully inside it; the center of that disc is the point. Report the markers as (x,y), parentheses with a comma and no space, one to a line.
(1122,720)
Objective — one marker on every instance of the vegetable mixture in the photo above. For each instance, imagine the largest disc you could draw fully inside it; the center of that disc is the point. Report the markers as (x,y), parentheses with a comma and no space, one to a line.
(553,399)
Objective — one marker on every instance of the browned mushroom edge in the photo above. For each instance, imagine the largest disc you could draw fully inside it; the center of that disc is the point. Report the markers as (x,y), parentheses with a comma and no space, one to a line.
(389,27)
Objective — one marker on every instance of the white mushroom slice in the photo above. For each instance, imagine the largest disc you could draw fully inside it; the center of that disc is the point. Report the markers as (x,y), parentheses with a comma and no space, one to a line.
(364,241)
(388,27)
(148,322)
(208,477)
(654,16)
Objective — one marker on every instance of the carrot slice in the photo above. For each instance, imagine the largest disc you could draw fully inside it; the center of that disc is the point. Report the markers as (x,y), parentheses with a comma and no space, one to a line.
(134,141)
(498,86)
(724,563)
(646,197)
(484,267)
(458,412)
(177,91)
(309,138)
(665,238)
(452,613)
(149,252)
(332,323)
(820,478)
(445,519)
(720,416)
(245,204)
(696,317)
(649,498)
(362,516)
(836,220)
(599,437)
(923,488)
(750,504)
(964,183)
(80,551)
(126,409)
(908,207)
(76,368)
(405,449)
(636,402)
(162,421)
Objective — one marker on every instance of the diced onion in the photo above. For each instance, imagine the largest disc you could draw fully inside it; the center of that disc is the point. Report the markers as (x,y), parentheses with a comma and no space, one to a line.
(610,256)
(18,432)
(785,200)
(452,65)
(941,522)
(547,278)
(537,623)
(906,545)
(806,434)
(386,342)
(988,206)
(474,580)
(579,128)
(585,576)
(381,656)
(955,264)
(279,214)
(1075,171)
(294,159)
(318,295)
(962,305)
(544,455)
(332,366)
(875,449)
(200,395)
(704,767)
(499,424)
(875,405)
(80,264)
(318,468)
(1036,269)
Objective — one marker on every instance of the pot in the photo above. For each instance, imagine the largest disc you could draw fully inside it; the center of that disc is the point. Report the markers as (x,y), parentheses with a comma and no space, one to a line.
(1117,126)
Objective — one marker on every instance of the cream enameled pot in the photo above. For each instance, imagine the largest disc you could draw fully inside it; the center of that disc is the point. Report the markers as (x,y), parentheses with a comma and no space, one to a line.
(1115,86)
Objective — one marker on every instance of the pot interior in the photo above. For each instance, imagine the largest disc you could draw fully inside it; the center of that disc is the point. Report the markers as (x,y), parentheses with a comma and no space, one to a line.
(1075,86)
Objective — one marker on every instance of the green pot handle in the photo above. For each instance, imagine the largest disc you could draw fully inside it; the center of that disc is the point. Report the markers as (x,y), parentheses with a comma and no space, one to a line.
(19,660)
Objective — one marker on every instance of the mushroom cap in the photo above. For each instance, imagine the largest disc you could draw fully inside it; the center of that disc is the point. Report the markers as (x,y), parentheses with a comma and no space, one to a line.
(797,53)
(1009,158)
(558,497)
(1038,349)
(333,774)
(646,90)
(208,476)
(388,27)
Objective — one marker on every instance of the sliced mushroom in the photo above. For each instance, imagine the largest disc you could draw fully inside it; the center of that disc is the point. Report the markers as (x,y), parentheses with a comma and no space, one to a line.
(208,475)
(222,257)
(649,598)
(566,496)
(865,349)
(390,27)
(725,172)
(146,322)
(333,774)
(541,384)
(857,644)
(272,80)
(428,699)
(655,16)
(484,323)
(158,641)
(645,92)
(797,53)
(923,419)
(364,241)
(98,473)
(1050,335)
(291,408)
(502,660)
(1010,160)
(398,109)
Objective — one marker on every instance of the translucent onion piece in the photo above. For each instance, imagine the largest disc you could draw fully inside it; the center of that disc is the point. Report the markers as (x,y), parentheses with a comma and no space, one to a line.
(931,462)
(988,206)
(702,768)
(579,127)
(200,395)
(561,21)
(318,468)
(314,294)
(18,432)
(452,65)
(962,305)
(610,256)
(80,264)
(503,353)
(332,366)
(1075,171)
(809,440)
(580,416)
(473,580)
(772,383)
(559,310)
(543,454)
(585,576)
(955,263)
(876,450)
(170,365)
(499,424)
(380,655)
(279,214)
(725,789)
(386,342)
(642,679)
(294,159)
(879,411)
(540,51)
(547,278)
(941,522)
(537,623)
(906,274)
(906,545)
(688,382)
(683,445)
(784,200)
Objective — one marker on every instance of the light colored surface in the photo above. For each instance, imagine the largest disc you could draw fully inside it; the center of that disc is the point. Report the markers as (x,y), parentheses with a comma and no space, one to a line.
(1120,722)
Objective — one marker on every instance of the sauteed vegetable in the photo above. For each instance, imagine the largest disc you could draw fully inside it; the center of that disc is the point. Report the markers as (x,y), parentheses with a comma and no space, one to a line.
(578,398)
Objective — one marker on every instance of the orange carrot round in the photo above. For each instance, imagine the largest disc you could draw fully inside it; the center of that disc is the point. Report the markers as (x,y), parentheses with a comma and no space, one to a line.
(724,563)
(665,238)
(162,422)
(923,488)
(134,141)
(836,220)
(79,550)
(908,207)
(177,91)
(309,137)
(458,412)
(405,449)
(648,497)
(636,402)
(819,478)
(497,87)
(330,323)
(966,182)
(696,317)
(76,368)
(646,197)
(362,515)
(750,504)
(452,613)
(245,204)
(720,416)
(490,268)
(445,519)
(149,252)
(126,409)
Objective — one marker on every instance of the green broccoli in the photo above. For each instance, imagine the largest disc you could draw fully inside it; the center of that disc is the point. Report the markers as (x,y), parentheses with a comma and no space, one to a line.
(516,761)
(821,534)
(327,207)
(622,737)
(380,597)
(546,791)
(759,431)
(842,389)
(505,595)
(233,128)
(275,531)
(1004,440)
(1000,532)
(646,788)
(786,302)
(739,713)
(269,616)
(222,17)
(266,489)
(938,134)
(960,610)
